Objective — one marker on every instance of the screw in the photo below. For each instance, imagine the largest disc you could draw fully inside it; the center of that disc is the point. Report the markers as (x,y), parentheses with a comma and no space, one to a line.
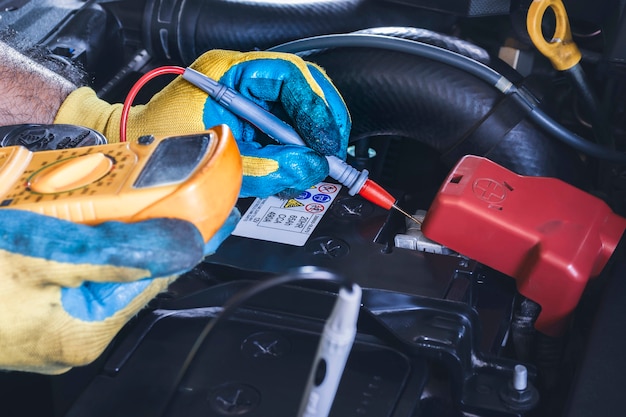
(329,247)
(520,378)
(265,345)
(234,399)
(518,394)
(351,208)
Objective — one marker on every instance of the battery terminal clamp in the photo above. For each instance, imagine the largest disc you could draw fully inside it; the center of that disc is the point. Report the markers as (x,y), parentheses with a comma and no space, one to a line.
(548,235)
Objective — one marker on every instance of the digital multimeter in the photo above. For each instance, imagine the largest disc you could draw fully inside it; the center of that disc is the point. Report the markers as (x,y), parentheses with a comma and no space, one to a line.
(191,177)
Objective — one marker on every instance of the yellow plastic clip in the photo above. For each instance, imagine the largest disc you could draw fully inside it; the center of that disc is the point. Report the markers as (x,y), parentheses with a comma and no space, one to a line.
(561,50)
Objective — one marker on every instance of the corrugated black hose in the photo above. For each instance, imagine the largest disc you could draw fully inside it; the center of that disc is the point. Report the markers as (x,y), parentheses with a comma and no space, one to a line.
(388,93)
(180,30)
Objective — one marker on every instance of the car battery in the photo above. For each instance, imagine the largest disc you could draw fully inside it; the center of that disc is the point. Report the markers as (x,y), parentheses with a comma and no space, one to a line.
(419,311)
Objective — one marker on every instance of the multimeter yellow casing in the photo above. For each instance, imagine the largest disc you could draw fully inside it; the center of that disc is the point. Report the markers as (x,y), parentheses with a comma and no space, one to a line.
(191,177)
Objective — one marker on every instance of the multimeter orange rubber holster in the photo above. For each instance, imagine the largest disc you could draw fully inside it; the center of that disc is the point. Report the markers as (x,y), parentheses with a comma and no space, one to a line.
(548,235)
(193,177)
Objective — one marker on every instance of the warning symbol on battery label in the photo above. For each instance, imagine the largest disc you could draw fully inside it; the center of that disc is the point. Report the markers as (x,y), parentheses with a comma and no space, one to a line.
(291,203)
(328,188)
(322,198)
(304,195)
(314,208)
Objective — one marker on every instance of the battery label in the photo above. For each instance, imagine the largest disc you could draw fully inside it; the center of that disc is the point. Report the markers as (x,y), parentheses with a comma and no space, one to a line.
(287,220)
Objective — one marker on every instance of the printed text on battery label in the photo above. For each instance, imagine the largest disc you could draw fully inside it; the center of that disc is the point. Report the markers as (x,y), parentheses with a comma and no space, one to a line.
(287,220)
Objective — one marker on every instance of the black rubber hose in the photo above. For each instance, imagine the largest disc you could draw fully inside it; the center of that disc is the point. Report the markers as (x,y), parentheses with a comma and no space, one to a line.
(387,93)
(180,30)
(527,102)
(448,42)
(399,95)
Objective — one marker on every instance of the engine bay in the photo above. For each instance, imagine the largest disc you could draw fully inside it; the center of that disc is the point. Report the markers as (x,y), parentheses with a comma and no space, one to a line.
(440,333)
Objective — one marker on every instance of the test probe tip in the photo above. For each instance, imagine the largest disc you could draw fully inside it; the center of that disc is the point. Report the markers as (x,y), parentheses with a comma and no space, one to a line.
(265,121)
(406,214)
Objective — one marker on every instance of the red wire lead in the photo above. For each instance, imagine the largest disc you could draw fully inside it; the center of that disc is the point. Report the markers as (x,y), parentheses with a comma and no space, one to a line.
(168,69)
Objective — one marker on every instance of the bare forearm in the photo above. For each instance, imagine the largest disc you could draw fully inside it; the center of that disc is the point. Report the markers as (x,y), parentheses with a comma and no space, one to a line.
(29,92)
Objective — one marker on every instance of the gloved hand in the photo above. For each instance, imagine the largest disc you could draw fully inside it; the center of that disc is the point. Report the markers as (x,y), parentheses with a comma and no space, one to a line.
(301,89)
(66,289)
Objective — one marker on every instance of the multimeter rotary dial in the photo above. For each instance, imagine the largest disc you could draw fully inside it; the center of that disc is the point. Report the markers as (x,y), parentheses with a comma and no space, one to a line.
(71,173)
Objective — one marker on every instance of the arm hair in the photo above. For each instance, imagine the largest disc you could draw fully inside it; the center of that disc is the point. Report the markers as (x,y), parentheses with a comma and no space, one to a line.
(29,92)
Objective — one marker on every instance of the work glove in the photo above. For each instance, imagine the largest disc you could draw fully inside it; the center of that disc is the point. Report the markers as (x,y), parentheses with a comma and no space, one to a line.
(282,83)
(66,289)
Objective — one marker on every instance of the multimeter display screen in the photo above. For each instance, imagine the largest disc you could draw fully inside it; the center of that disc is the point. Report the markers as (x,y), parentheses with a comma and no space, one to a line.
(173,161)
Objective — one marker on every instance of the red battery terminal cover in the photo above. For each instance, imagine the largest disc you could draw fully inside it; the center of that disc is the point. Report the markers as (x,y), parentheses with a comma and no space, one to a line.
(548,235)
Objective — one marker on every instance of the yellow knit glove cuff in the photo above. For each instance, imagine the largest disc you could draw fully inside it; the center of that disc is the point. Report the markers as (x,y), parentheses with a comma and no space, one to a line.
(82,107)
(175,110)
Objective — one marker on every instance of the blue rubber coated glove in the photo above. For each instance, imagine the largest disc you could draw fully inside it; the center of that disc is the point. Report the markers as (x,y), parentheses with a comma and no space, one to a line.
(66,289)
(282,83)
